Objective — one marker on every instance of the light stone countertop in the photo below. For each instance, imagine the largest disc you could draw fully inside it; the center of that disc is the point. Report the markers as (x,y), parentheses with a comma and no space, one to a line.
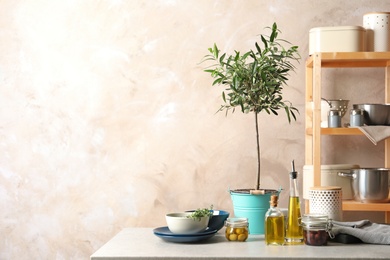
(141,243)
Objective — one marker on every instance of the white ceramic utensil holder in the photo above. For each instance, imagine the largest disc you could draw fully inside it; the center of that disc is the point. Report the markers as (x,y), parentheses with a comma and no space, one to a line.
(377,31)
(326,200)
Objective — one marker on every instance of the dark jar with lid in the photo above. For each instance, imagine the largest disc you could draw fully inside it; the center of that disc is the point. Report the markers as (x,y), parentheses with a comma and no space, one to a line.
(316,229)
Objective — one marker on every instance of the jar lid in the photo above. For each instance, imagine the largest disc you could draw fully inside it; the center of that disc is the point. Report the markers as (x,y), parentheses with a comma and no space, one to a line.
(314,220)
(357,111)
(376,13)
(236,222)
(334,112)
(325,188)
(333,166)
(337,28)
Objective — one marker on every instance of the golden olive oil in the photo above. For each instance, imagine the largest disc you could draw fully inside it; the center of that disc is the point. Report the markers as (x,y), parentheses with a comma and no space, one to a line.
(274,233)
(294,231)
(274,224)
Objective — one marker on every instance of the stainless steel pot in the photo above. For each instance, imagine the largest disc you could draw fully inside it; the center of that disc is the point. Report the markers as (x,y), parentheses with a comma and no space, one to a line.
(375,114)
(370,184)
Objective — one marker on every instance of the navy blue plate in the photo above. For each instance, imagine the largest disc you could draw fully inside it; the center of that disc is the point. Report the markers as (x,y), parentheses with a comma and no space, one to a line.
(165,234)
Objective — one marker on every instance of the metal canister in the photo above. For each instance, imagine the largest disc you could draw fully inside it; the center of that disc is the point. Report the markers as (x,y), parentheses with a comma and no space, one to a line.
(356,117)
(334,118)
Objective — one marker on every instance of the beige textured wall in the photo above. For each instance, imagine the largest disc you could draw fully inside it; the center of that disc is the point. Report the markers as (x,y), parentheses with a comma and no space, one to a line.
(107,120)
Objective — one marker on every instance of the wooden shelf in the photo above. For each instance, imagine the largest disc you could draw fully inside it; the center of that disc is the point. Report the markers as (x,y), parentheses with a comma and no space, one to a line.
(351,59)
(359,206)
(314,65)
(337,131)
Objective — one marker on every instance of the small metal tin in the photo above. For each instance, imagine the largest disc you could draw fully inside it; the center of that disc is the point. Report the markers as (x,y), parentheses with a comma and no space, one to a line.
(334,118)
(356,117)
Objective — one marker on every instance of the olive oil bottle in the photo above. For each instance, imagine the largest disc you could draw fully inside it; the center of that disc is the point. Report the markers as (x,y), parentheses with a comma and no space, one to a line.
(294,231)
(274,224)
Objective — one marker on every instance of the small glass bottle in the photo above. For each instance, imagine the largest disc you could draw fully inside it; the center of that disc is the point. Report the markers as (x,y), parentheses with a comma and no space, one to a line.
(294,231)
(236,229)
(274,224)
(334,118)
(316,229)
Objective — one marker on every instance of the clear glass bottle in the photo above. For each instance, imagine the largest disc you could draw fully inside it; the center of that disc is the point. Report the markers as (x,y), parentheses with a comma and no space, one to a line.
(294,231)
(236,229)
(316,229)
(274,224)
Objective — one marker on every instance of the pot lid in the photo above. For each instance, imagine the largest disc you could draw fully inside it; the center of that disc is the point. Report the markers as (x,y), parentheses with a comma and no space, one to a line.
(337,28)
(325,188)
(377,13)
(333,167)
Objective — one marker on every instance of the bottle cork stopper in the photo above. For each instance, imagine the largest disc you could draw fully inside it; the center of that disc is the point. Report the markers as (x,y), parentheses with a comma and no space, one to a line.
(274,200)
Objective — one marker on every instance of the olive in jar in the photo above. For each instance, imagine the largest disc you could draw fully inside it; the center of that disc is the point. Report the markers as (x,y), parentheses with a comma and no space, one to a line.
(236,229)
(316,228)
(315,237)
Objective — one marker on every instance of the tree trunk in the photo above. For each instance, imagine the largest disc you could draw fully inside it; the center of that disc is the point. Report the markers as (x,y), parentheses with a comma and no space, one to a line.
(258,152)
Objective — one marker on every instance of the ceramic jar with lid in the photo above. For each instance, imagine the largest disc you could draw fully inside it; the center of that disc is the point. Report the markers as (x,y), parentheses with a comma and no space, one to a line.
(326,200)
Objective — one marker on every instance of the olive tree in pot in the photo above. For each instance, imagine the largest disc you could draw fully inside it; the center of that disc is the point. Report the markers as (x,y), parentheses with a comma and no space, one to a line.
(253,81)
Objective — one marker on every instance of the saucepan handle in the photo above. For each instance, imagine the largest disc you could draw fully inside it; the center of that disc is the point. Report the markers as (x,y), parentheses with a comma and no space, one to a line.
(346,174)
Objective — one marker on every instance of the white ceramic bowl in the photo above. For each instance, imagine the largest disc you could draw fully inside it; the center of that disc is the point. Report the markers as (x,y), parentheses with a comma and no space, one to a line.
(180,223)
(217,220)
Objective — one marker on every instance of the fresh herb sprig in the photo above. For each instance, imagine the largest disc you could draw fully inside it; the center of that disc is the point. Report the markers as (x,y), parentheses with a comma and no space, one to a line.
(199,213)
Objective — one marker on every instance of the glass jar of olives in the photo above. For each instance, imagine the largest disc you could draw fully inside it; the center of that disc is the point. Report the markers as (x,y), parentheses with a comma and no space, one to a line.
(236,229)
(316,229)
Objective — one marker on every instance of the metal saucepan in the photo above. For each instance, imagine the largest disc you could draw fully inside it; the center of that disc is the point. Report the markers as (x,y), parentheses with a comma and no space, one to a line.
(375,114)
(370,184)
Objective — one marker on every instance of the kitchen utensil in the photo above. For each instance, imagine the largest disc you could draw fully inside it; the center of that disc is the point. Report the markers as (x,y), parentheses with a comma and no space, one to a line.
(375,114)
(370,184)
(339,104)
(329,177)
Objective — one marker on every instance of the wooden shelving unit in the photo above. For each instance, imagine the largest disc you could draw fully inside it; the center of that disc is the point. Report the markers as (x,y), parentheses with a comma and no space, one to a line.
(336,131)
(314,65)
